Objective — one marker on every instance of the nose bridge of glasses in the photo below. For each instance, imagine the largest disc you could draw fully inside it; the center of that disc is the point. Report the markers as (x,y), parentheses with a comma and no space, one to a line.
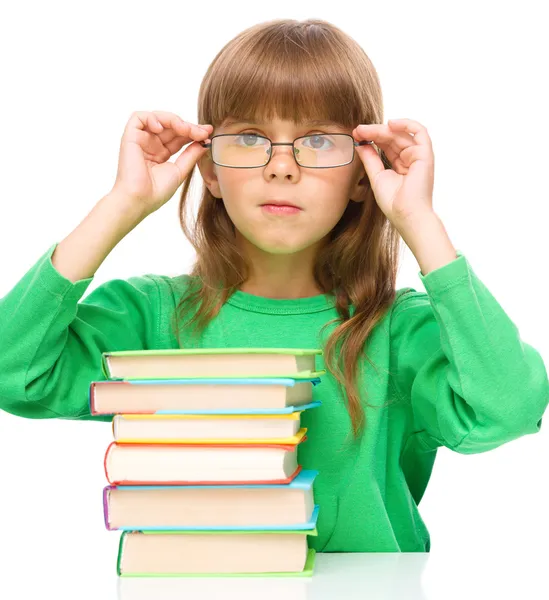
(291,144)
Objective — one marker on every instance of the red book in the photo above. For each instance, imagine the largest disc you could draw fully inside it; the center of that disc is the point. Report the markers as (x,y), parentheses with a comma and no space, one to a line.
(203,464)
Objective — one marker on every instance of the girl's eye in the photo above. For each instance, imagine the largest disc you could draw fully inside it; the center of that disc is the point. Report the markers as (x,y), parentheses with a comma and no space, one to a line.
(248,139)
(318,142)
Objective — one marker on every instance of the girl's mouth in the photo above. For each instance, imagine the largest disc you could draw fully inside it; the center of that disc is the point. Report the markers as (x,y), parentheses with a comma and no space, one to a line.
(277,209)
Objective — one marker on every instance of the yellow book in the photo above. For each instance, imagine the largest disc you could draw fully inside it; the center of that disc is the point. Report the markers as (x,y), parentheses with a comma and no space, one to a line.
(208,428)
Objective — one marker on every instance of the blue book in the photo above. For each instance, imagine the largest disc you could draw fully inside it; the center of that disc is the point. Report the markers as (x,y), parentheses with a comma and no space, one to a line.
(173,507)
(205,395)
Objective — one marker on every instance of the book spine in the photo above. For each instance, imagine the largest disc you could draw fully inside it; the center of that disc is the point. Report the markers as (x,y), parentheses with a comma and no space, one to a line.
(105,462)
(120,548)
(104,365)
(106,491)
(92,394)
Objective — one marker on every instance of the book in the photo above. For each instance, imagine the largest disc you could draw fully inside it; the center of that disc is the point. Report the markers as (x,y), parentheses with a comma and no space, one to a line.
(203,472)
(214,553)
(211,394)
(245,506)
(205,362)
(161,428)
(175,464)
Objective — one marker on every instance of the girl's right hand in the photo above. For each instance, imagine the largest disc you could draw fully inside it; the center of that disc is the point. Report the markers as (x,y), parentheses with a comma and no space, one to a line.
(145,174)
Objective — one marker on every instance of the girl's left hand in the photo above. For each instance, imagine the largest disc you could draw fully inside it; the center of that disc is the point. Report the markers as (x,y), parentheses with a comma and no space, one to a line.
(406,191)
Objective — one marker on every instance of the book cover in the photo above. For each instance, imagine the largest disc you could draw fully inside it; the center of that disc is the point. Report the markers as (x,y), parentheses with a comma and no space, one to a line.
(306,572)
(289,447)
(213,381)
(215,351)
(295,439)
(304,480)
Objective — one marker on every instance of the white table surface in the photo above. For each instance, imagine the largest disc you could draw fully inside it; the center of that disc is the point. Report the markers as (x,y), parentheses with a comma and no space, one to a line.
(372,576)
(69,573)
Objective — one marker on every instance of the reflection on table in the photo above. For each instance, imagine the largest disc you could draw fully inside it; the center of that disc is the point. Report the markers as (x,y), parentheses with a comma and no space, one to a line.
(364,575)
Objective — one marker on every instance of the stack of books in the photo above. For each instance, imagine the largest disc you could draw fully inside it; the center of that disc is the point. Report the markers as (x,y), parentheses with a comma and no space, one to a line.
(203,471)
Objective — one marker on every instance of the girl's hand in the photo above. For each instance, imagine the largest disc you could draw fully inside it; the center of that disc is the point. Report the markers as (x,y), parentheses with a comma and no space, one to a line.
(150,138)
(406,191)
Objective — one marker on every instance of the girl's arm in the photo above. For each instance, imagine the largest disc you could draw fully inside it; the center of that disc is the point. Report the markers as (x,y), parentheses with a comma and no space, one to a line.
(82,252)
(458,358)
(50,344)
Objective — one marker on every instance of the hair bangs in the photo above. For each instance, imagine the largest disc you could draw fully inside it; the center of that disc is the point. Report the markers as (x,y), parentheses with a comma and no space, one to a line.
(299,78)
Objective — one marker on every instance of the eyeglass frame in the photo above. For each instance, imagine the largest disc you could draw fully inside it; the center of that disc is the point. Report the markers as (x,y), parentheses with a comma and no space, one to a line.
(361,143)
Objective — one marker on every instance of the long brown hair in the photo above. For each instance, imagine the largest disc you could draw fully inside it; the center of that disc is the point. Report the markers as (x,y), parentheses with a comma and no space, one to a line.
(297,70)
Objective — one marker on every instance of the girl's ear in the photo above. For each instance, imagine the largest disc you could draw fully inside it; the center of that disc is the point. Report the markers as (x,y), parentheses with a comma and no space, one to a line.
(361,187)
(207,170)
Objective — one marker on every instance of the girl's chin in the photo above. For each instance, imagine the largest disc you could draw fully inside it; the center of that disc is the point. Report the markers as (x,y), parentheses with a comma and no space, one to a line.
(279,247)
(282,241)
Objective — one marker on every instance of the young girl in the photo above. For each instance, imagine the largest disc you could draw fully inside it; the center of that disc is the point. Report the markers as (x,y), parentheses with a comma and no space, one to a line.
(407,371)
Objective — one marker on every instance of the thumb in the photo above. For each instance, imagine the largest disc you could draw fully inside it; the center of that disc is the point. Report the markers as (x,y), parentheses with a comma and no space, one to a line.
(188,158)
(371,161)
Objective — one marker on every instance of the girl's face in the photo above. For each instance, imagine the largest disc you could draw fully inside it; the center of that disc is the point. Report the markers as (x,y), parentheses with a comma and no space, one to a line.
(321,194)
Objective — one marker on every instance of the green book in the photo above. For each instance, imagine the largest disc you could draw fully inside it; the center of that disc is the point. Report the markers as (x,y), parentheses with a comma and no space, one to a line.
(195,363)
(306,572)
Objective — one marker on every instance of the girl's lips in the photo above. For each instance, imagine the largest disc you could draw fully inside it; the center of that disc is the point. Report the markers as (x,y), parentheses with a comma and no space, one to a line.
(277,209)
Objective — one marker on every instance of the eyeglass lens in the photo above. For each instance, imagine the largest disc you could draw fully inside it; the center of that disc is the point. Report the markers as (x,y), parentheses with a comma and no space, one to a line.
(252,150)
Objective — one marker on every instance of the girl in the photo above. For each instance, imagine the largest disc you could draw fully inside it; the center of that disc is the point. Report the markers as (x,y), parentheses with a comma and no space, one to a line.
(407,371)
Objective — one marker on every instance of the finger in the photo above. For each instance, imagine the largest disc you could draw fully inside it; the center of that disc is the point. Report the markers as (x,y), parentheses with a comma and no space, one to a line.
(415,153)
(154,132)
(390,142)
(179,132)
(177,143)
(161,134)
(371,160)
(145,130)
(140,130)
(188,158)
(411,127)
(383,134)
(143,120)
(152,147)
(176,126)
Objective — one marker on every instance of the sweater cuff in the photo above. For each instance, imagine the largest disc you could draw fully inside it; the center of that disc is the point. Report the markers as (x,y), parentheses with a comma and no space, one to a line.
(58,285)
(448,275)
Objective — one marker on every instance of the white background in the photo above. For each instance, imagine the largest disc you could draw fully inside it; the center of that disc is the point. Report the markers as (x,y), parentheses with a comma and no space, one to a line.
(474,73)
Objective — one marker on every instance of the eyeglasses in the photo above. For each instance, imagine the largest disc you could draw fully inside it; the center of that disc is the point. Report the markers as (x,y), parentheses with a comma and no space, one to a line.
(249,150)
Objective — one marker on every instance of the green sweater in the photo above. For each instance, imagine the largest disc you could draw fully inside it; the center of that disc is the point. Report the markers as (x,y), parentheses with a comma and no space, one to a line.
(450,362)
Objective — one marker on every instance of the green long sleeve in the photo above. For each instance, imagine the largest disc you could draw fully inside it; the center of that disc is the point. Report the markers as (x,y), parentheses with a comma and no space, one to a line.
(472,382)
(51,344)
